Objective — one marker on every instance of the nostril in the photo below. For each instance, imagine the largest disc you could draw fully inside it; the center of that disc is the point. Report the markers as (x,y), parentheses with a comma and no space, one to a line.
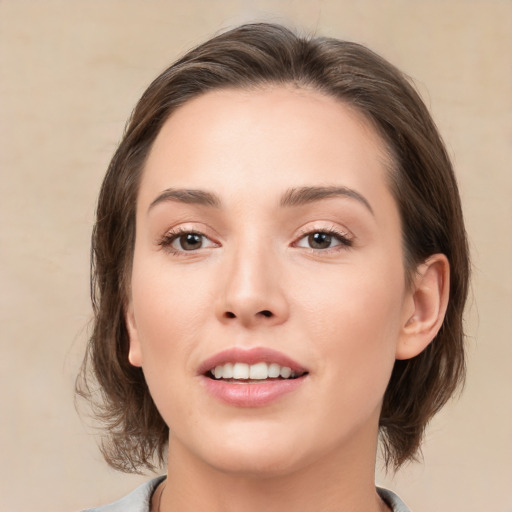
(265,312)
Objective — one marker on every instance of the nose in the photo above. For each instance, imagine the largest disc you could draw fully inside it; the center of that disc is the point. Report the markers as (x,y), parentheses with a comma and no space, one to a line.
(252,293)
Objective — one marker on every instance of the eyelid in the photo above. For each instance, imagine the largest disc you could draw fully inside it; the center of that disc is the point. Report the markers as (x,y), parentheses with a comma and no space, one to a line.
(173,234)
(344,236)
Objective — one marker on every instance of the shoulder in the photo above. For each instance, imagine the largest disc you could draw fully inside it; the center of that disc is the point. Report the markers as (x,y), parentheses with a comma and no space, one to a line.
(392,500)
(137,501)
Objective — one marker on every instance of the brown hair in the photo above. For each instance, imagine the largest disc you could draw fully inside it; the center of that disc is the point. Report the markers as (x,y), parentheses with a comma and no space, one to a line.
(422,182)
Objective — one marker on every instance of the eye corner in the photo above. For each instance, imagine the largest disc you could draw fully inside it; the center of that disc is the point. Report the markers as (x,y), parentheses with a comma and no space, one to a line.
(180,241)
(324,239)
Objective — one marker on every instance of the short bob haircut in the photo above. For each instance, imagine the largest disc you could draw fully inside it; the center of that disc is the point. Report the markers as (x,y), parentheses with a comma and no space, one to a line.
(421,180)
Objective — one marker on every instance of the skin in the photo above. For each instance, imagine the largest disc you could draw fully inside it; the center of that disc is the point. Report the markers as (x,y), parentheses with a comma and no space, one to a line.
(344,312)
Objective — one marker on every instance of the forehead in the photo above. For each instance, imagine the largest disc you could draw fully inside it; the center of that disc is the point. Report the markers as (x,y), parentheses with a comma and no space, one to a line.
(265,139)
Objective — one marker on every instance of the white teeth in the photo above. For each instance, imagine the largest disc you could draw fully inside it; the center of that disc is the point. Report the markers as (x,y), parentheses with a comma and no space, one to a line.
(240,371)
(227,373)
(285,372)
(258,371)
(274,370)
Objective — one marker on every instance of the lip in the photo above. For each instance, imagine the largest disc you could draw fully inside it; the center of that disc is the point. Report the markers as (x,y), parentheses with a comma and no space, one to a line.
(253,393)
(250,356)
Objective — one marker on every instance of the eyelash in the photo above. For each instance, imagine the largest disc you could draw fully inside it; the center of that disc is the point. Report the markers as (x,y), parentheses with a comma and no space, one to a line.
(343,238)
(170,237)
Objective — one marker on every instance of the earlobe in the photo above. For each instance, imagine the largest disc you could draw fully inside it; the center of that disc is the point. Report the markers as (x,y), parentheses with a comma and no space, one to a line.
(134,353)
(429,294)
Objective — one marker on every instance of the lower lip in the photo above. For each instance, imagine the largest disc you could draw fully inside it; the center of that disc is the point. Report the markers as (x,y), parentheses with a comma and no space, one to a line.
(253,394)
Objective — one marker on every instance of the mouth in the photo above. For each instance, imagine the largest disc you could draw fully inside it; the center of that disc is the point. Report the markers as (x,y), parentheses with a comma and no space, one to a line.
(240,373)
(251,377)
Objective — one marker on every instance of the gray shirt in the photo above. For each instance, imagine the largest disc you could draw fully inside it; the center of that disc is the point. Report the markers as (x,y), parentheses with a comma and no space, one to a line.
(140,500)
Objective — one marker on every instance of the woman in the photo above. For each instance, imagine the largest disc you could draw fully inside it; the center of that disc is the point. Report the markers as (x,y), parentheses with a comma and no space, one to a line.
(280,269)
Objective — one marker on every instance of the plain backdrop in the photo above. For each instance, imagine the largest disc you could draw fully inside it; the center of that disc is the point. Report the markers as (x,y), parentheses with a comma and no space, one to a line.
(70,73)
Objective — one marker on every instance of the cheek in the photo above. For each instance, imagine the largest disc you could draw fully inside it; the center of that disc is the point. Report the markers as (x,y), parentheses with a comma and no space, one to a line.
(364,298)
(168,317)
(354,319)
(168,310)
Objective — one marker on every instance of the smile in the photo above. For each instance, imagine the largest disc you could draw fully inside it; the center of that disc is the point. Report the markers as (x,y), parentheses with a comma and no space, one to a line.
(251,377)
(244,372)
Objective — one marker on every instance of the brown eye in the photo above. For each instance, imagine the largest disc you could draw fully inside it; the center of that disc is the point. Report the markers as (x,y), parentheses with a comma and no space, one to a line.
(324,240)
(189,241)
(319,240)
(182,241)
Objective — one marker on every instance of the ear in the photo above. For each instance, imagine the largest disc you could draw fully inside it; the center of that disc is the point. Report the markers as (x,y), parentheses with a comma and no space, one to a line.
(134,353)
(429,297)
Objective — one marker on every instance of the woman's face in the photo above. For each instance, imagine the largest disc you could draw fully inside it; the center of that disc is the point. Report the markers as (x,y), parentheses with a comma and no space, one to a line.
(267,242)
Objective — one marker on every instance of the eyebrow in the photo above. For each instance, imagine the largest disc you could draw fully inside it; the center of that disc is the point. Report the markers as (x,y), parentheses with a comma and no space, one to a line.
(188,196)
(304,195)
(292,197)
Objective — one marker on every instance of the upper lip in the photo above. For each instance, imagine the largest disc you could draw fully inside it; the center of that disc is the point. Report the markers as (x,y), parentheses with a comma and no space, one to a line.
(250,356)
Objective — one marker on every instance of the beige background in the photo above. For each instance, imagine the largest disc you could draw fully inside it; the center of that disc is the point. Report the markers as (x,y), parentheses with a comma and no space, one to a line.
(70,73)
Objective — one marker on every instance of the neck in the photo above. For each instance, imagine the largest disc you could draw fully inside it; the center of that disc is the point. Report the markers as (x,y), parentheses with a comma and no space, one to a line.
(334,483)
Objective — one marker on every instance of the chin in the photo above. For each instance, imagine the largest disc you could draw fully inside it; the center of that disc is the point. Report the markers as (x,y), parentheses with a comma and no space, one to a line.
(253,452)
(256,466)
